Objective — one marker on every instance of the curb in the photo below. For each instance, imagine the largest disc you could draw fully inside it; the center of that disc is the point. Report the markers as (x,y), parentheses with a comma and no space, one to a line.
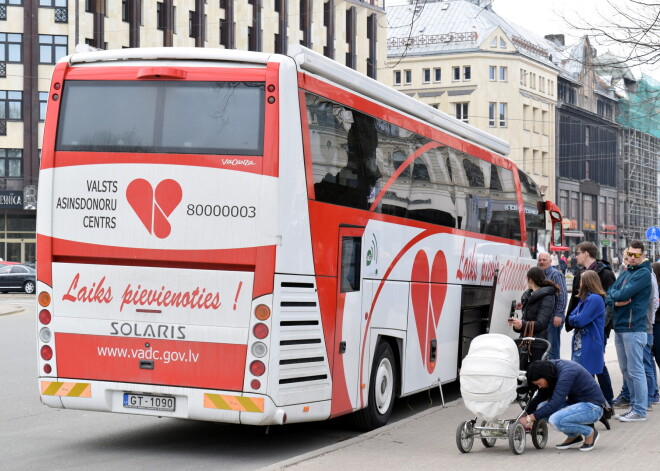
(8,313)
(360,438)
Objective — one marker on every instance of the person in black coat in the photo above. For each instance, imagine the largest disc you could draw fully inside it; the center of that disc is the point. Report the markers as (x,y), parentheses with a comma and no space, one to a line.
(538,305)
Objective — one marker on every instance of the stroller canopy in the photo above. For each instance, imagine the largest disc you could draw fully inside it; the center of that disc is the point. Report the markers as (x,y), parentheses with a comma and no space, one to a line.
(489,375)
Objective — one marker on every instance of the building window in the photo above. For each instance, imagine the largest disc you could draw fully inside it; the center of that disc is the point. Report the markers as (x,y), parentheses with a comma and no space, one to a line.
(11,48)
(160,15)
(462,111)
(532,81)
(523,76)
(11,2)
(575,205)
(493,42)
(427,75)
(502,115)
(525,159)
(491,72)
(542,84)
(503,74)
(52,48)
(587,208)
(502,44)
(397,77)
(11,105)
(124,10)
(491,114)
(408,76)
(456,73)
(544,122)
(437,74)
(191,24)
(11,163)
(43,103)
(467,72)
(526,117)
(544,164)
(563,202)
(45,3)
(535,116)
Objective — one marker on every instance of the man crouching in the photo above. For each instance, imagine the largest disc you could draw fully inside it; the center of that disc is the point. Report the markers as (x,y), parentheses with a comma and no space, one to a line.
(569,397)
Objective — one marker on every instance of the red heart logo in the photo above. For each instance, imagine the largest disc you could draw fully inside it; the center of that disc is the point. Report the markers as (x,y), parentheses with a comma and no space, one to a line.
(428,292)
(154,207)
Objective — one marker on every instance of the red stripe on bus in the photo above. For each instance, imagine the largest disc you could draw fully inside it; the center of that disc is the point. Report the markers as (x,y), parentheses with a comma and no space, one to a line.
(176,362)
(243,257)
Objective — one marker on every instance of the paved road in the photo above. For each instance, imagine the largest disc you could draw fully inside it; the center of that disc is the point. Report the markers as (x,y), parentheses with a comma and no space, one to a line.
(33,436)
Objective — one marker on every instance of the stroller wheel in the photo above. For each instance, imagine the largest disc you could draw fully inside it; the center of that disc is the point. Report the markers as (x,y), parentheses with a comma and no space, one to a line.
(465,436)
(516,433)
(487,441)
(540,433)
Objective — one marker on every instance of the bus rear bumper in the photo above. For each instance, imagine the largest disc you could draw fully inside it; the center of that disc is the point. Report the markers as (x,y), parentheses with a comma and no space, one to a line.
(195,404)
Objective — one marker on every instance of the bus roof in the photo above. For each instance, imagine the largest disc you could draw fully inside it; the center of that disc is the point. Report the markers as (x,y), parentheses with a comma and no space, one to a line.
(314,63)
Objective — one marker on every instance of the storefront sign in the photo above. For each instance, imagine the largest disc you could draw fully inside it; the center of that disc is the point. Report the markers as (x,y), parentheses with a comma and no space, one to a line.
(604,242)
(11,199)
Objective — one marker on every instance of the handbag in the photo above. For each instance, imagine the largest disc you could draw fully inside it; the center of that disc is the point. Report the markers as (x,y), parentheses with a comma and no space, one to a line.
(526,345)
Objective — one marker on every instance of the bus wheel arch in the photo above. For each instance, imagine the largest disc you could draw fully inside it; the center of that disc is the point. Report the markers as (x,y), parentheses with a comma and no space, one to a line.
(384,385)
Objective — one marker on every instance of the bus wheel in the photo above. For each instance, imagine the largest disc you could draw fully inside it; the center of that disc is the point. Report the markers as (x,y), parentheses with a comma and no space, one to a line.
(382,390)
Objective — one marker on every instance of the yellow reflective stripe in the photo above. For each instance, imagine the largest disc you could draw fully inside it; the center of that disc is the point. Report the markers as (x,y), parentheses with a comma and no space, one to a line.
(235,403)
(54,388)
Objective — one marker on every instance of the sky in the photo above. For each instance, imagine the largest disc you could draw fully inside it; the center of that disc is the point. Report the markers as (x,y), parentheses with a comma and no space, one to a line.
(547,17)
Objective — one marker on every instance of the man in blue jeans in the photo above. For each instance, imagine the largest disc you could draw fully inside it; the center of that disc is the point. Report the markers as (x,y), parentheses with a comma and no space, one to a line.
(556,321)
(569,397)
(630,296)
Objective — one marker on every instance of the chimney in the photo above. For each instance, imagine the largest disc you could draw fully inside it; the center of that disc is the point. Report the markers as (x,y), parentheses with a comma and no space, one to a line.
(557,39)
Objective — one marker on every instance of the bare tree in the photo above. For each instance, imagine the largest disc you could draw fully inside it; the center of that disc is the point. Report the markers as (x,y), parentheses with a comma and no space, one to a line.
(632,25)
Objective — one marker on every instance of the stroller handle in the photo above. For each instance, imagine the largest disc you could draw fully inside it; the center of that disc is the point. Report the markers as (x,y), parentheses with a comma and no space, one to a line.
(535,339)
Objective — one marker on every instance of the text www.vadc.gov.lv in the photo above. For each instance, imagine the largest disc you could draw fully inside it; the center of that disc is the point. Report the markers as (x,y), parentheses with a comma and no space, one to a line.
(148,354)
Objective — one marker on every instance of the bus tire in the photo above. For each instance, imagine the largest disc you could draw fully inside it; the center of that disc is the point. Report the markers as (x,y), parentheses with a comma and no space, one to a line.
(382,390)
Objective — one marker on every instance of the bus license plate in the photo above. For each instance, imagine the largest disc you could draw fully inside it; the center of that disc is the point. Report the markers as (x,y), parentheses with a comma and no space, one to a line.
(141,401)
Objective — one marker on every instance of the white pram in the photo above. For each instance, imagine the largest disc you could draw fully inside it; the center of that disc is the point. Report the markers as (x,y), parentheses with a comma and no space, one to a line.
(491,380)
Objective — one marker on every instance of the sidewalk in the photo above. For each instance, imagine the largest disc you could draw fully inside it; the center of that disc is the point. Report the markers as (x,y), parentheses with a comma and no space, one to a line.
(427,441)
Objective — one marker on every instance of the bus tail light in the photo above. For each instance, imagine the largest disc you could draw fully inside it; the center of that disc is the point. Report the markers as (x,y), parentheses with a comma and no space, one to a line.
(255,384)
(45,316)
(260,331)
(257,368)
(262,312)
(259,349)
(44,299)
(45,335)
(47,353)
(47,368)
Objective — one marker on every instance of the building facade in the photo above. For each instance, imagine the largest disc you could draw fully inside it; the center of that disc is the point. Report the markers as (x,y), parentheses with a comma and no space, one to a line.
(36,33)
(462,58)
(588,151)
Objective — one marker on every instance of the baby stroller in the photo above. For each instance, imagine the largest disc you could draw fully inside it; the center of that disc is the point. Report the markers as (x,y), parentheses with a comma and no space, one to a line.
(491,380)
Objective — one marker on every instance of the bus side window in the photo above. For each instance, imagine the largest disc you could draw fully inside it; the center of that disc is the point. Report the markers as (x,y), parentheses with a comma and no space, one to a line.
(351,248)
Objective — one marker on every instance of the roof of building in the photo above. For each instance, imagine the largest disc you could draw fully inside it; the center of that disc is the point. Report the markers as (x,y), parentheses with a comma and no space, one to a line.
(454,26)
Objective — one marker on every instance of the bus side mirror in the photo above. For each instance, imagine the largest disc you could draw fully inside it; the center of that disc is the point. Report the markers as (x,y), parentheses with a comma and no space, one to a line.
(556,233)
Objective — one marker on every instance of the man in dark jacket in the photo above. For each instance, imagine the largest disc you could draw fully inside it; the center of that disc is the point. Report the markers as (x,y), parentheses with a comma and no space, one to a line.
(569,398)
(586,253)
(630,295)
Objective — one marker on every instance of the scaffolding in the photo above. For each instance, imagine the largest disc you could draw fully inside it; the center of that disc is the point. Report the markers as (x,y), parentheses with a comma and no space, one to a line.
(640,153)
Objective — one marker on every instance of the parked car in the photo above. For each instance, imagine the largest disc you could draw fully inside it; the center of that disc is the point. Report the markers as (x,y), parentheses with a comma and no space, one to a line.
(18,278)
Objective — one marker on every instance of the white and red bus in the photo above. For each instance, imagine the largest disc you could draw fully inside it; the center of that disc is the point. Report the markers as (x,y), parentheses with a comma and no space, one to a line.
(258,238)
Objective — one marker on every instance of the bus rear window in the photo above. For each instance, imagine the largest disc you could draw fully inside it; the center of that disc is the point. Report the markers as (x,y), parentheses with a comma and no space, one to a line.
(162,117)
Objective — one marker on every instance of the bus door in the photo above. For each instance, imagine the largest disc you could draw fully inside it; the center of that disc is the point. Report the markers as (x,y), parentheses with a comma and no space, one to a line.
(350,315)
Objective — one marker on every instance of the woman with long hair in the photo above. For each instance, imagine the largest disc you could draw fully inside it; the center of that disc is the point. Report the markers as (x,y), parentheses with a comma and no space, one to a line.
(538,304)
(588,319)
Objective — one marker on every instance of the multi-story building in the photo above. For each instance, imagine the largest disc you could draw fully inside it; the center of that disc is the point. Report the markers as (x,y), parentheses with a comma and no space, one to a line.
(35,34)
(587,150)
(462,58)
